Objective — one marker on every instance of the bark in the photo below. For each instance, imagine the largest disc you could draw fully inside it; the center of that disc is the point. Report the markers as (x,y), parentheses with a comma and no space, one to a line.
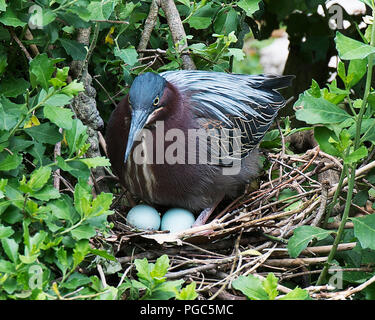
(84,105)
(149,26)
(178,32)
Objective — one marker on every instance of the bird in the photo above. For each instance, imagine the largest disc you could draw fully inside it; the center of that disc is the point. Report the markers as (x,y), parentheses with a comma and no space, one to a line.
(154,136)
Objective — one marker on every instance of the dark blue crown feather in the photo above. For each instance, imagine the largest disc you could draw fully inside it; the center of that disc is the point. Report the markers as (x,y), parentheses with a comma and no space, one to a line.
(233,101)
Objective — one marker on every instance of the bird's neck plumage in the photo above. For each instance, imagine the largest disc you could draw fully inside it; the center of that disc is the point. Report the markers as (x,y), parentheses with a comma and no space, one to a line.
(177,110)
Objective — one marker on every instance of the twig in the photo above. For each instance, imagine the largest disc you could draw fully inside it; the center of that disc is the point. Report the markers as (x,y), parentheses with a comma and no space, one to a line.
(102,276)
(294,262)
(20,44)
(105,90)
(112,21)
(236,249)
(344,294)
(323,203)
(149,26)
(89,52)
(33,47)
(359,172)
(56,153)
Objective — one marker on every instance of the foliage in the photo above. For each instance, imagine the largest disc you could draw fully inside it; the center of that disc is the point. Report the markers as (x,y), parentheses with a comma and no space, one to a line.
(151,280)
(343,118)
(46,234)
(256,289)
(40,227)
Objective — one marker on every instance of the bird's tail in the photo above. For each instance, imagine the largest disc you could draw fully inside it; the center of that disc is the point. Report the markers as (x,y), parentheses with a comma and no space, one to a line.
(274,82)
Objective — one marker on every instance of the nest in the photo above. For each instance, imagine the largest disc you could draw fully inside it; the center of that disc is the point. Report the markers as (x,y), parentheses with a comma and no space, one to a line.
(250,234)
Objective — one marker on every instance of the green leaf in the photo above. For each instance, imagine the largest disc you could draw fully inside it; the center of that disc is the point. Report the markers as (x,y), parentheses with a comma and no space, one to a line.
(302,237)
(9,161)
(82,198)
(101,204)
(39,178)
(270,286)
(129,55)
(341,71)
(185,2)
(356,155)
(58,100)
(46,193)
(48,17)
(368,130)
(361,198)
(41,70)
(161,267)
(322,135)
(74,48)
(9,18)
(28,259)
(62,258)
(75,168)
(62,117)
(104,254)
(76,280)
(61,209)
(96,162)
(81,249)
(73,88)
(318,110)
(76,136)
(364,230)
(5,232)
(250,6)
(44,133)
(7,266)
(13,87)
(188,293)
(10,247)
(85,231)
(251,287)
(350,49)
(3,5)
(166,290)
(101,10)
(226,21)
(296,294)
(199,23)
(10,113)
(357,69)
(143,269)
(237,53)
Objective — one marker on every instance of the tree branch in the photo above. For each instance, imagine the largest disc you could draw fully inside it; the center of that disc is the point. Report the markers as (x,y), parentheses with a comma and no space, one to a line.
(149,26)
(177,30)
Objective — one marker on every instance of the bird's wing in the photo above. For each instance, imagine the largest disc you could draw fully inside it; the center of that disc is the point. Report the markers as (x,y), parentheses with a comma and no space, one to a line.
(239,108)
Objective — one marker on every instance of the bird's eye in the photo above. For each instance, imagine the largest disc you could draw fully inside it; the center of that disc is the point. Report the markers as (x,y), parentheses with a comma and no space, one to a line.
(156,101)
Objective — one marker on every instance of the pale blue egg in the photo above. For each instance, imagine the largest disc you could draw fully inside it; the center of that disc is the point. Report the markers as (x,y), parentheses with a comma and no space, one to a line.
(177,219)
(144,217)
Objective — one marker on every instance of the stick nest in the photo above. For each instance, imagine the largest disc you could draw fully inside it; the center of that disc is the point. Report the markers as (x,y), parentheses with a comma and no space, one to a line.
(250,234)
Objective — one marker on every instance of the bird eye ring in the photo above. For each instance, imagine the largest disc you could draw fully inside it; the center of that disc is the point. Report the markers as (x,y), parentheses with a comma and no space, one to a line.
(156,101)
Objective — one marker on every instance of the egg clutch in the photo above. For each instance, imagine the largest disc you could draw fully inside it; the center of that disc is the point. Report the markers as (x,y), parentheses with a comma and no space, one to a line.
(148,218)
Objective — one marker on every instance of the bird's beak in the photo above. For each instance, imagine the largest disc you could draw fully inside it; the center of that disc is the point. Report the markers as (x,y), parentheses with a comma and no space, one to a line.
(138,121)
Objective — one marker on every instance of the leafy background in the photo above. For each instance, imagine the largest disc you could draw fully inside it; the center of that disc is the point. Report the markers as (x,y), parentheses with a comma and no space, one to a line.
(61,80)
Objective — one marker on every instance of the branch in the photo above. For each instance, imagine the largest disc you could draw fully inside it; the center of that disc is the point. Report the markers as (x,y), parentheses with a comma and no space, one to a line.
(177,30)
(20,44)
(149,26)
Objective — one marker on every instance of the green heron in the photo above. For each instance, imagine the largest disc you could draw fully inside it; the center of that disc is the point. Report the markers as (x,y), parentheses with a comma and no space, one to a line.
(233,108)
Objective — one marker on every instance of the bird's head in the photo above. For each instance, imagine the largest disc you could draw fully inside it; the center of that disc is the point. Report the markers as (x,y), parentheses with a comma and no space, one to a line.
(146,104)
